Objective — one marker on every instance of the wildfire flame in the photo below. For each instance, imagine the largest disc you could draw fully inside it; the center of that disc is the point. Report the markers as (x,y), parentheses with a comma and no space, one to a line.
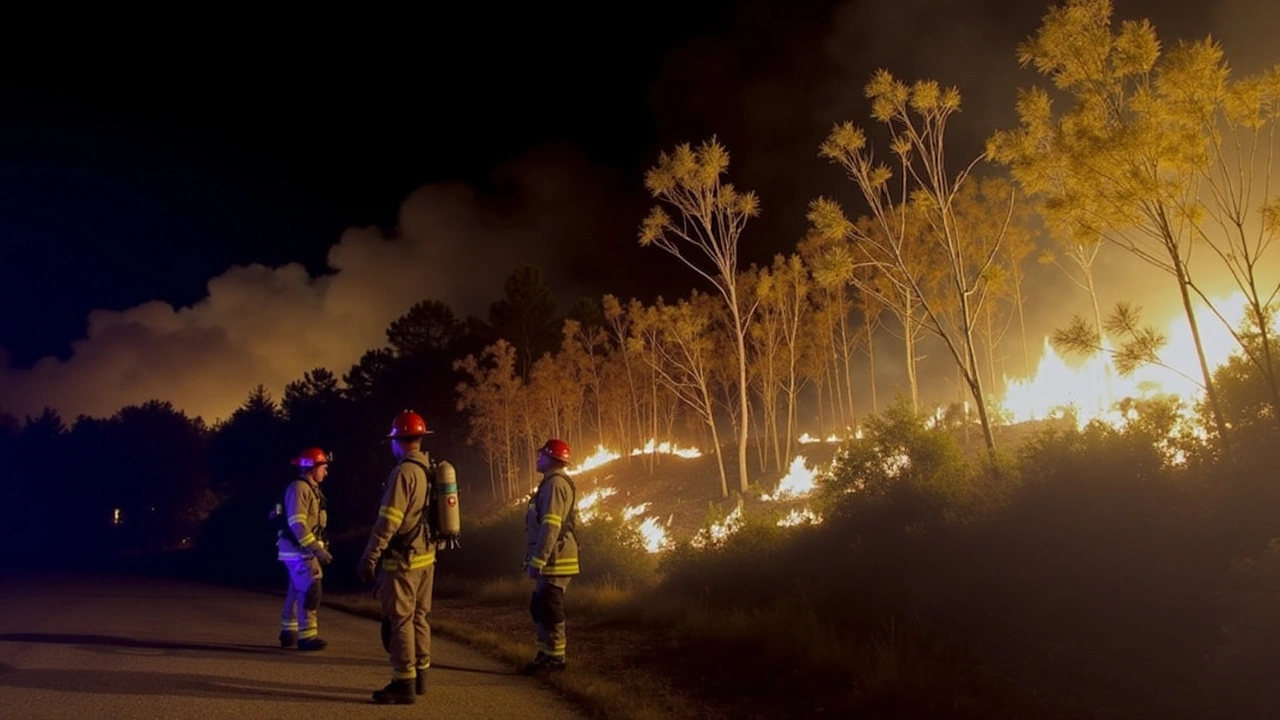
(1094,386)
(602,456)
(799,481)
(799,516)
(654,534)
(806,438)
(668,448)
(588,503)
(718,532)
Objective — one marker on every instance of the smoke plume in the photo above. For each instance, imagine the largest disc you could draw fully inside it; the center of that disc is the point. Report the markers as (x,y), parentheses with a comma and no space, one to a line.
(269,325)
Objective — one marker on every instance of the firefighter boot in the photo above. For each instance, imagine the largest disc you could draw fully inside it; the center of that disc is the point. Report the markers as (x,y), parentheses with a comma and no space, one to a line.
(312,643)
(288,638)
(544,663)
(397,692)
(535,665)
(420,683)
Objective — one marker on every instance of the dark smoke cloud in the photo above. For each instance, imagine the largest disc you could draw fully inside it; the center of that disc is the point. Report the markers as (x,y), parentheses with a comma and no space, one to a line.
(269,325)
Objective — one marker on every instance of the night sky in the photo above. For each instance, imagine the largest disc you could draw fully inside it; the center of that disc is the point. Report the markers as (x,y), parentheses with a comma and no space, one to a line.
(191,207)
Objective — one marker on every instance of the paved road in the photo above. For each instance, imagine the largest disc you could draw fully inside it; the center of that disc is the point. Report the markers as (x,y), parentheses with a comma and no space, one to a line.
(83,648)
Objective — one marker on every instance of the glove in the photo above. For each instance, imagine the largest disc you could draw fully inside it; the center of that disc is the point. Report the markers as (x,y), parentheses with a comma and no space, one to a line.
(323,556)
(367,570)
(532,572)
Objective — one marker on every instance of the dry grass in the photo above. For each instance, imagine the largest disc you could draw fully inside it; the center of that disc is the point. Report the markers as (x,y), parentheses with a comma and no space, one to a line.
(616,670)
(646,662)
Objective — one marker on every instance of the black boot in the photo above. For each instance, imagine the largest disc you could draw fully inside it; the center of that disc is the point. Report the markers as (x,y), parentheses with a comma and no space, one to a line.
(420,683)
(288,638)
(397,692)
(535,664)
(544,663)
(312,643)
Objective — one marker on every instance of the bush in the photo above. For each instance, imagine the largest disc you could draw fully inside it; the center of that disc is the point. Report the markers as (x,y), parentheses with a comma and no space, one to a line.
(489,548)
(610,550)
(901,476)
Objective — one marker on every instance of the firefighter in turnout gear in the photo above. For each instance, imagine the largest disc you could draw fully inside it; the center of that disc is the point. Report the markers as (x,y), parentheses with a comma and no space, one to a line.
(551,552)
(300,545)
(400,556)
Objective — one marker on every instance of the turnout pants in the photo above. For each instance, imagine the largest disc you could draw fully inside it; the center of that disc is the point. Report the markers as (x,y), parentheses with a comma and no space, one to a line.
(302,599)
(547,609)
(406,601)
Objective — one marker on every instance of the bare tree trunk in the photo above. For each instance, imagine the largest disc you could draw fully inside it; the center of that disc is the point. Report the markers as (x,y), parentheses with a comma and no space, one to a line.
(846,354)
(1210,391)
(1022,331)
(909,339)
(871,359)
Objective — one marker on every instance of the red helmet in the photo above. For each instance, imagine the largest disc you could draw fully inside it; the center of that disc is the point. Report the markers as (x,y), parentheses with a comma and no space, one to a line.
(557,449)
(408,424)
(311,457)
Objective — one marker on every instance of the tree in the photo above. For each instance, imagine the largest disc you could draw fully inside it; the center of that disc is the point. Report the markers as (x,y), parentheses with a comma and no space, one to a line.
(162,476)
(784,307)
(982,213)
(682,341)
(526,316)
(313,407)
(363,379)
(620,321)
(428,327)
(936,263)
(1156,154)
(832,344)
(250,447)
(582,354)
(492,397)
(712,216)
(765,341)
(31,502)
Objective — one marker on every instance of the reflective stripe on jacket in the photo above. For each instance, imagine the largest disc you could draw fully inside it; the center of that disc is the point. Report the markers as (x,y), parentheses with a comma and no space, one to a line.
(398,535)
(304,511)
(554,553)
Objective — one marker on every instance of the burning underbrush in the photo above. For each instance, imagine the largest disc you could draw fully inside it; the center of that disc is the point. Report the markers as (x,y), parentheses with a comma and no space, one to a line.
(671,498)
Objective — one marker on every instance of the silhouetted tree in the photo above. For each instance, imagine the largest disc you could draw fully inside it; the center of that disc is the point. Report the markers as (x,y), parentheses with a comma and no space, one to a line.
(163,476)
(526,317)
(38,451)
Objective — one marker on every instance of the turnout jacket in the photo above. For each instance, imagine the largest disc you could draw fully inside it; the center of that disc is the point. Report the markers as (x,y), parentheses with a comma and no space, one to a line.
(551,543)
(307,517)
(399,533)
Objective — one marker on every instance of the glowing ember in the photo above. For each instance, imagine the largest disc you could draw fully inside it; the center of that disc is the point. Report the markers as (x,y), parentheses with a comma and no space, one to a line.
(798,482)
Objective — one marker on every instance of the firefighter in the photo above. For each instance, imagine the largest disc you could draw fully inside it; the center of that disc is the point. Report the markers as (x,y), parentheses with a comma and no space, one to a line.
(399,556)
(551,552)
(300,545)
